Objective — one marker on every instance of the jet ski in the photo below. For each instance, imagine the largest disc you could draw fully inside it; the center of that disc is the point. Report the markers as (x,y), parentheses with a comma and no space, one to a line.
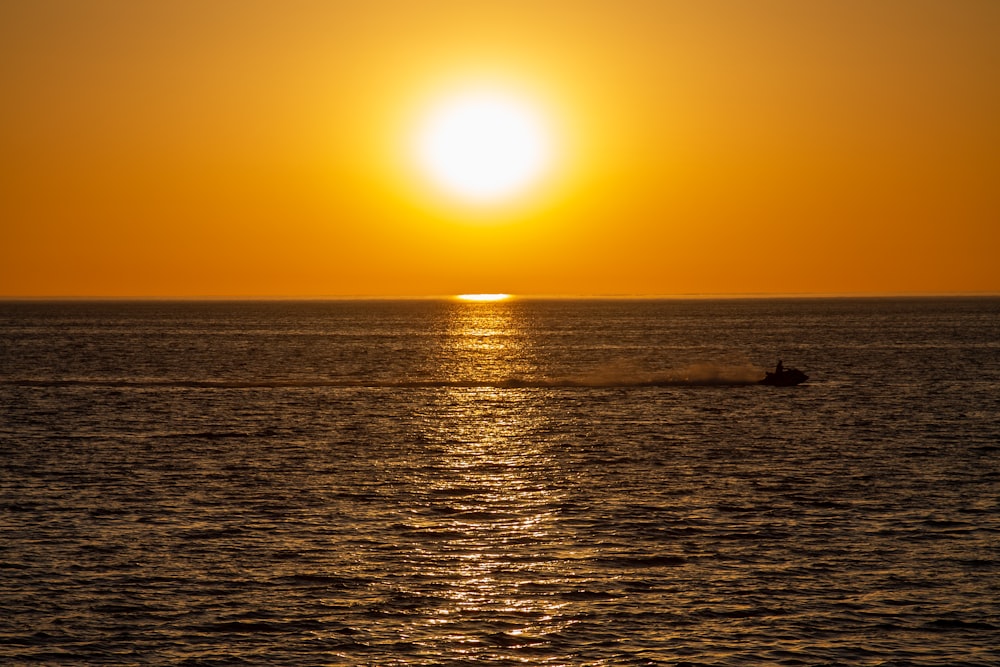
(783,377)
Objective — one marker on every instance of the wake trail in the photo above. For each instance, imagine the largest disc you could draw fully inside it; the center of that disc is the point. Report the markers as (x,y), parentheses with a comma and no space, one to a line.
(691,376)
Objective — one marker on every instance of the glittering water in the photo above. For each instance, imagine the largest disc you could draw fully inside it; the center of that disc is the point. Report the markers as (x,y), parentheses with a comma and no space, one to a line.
(545,483)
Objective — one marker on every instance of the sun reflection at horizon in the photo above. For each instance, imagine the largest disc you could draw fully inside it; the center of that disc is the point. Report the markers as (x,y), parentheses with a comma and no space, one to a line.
(484,297)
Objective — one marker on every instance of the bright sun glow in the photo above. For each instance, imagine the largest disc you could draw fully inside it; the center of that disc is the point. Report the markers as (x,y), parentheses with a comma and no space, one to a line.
(483,297)
(483,145)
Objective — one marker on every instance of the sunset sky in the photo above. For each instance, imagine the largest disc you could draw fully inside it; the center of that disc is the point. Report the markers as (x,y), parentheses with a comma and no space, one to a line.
(244,148)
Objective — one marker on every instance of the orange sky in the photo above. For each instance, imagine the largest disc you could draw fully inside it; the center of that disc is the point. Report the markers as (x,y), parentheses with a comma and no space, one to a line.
(243,148)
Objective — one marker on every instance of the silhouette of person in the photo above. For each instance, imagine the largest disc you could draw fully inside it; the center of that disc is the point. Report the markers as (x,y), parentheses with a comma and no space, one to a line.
(780,369)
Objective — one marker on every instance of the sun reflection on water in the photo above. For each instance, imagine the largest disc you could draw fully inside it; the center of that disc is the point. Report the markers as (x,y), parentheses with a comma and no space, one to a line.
(491,498)
(486,342)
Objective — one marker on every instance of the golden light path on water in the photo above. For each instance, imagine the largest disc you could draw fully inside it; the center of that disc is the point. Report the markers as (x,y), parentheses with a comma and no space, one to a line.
(494,481)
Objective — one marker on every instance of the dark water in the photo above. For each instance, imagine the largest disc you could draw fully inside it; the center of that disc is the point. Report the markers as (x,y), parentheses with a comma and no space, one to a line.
(539,483)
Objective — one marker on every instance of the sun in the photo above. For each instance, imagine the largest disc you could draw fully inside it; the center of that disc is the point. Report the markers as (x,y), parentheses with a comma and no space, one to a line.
(483,145)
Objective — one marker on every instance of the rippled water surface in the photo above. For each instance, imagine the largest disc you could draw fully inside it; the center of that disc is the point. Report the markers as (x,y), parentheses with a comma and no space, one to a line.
(525,482)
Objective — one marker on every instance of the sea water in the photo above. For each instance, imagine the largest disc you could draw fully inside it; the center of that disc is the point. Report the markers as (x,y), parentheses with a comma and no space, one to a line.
(523,482)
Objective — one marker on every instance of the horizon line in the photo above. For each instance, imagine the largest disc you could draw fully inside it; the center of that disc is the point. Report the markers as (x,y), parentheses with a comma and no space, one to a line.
(513,296)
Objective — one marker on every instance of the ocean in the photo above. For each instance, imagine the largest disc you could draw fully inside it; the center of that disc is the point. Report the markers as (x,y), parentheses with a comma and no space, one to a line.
(532,482)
